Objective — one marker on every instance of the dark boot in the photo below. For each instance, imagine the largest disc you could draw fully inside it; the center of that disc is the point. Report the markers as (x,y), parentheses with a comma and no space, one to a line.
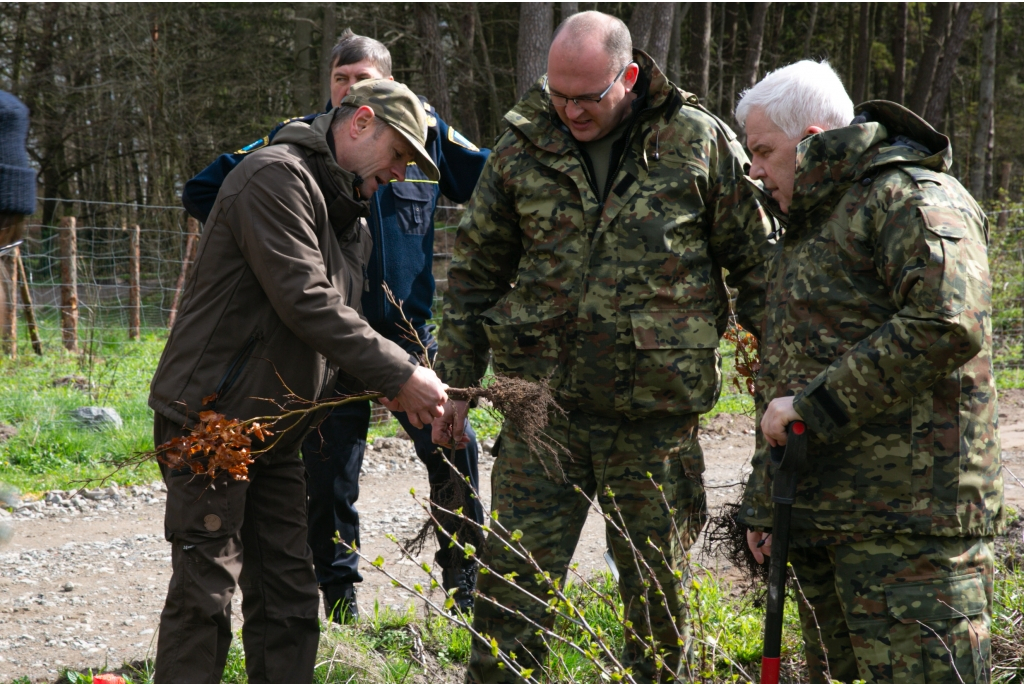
(463,580)
(340,603)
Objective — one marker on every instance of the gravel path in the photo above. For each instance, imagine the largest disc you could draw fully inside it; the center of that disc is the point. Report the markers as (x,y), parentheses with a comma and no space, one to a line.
(83,579)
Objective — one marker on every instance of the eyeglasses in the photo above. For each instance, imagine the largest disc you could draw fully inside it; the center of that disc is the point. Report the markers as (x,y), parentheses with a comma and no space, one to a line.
(559,100)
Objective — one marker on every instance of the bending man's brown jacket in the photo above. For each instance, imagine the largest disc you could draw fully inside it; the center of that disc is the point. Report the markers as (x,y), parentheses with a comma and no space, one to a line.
(275,290)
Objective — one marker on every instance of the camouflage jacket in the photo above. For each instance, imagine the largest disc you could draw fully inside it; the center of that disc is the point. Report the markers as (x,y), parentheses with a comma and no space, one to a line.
(619,304)
(879,321)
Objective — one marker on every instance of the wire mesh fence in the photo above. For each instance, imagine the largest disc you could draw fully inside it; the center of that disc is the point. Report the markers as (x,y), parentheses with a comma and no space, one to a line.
(115,273)
(130,262)
(103,273)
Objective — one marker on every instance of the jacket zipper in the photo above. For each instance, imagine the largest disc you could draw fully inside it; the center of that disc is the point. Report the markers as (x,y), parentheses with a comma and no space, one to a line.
(238,364)
(323,380)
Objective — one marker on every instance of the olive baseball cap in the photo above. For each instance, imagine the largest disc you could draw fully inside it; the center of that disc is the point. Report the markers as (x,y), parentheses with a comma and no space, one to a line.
(399,107)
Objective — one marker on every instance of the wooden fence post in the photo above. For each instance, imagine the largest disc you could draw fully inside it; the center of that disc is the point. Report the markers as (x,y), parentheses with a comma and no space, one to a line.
(30,312)
(191,242)
(134,284)
(69,284)
(9,324)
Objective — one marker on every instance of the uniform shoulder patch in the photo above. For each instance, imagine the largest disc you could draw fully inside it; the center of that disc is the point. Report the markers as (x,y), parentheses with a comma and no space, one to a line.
(255,145)
(460,140)
(922,175)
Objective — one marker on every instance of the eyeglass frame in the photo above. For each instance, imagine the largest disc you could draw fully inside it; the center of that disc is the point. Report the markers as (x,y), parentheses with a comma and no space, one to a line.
(583,98)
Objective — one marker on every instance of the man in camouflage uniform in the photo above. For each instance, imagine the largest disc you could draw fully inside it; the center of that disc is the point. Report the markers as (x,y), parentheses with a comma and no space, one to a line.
(878,336)
(591,257)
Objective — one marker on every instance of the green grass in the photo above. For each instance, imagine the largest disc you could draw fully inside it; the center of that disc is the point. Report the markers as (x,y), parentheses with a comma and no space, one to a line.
(389,646)
(50,450)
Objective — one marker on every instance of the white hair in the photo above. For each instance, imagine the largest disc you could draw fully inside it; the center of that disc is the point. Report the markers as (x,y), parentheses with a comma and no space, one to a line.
(797,96)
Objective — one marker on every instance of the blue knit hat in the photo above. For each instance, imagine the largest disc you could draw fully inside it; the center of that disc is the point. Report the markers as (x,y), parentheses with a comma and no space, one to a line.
(17,178)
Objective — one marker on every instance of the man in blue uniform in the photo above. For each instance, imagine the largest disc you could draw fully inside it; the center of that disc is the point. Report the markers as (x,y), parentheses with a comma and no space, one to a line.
(402,222)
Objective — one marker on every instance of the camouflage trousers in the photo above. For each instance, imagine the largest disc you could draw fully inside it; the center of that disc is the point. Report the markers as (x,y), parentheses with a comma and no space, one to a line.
(536,495)
(896,609)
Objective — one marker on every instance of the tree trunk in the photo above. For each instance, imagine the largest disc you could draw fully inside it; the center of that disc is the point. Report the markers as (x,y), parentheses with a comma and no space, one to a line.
(494,104)
(329,34)
(1005,173)
(897,84)
(755,39)
(720,53)
(810,29)
(468,86)
(848,45)
(674,68)
(661,34)
(435,75)
(640,24)
(944,74)
(568,9)
(860,69)
(700,49)
(19,47)
(930,58)
(535,26)
(728,102)
(771,48)
(303,39)
(985,105)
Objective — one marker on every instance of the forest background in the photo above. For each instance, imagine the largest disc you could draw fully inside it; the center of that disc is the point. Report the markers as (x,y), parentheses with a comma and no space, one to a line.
(129,101)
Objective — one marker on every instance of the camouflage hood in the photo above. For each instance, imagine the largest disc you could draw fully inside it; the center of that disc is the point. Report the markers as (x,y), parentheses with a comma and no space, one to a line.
(882,134)
(535,118)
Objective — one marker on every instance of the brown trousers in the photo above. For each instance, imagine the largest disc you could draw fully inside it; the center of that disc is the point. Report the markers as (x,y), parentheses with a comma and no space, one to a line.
(251,534)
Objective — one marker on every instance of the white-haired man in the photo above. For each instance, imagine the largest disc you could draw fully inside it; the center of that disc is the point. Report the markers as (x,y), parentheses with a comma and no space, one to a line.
(877,335)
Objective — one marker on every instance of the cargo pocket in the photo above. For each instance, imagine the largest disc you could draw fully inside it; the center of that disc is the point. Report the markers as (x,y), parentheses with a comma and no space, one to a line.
(414,206)
(198,508)
(677,368)
(531,351)
(946,274)
(939,632)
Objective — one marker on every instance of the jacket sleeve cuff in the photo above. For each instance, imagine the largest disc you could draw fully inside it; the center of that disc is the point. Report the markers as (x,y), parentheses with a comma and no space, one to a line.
(755,514)
(820,410)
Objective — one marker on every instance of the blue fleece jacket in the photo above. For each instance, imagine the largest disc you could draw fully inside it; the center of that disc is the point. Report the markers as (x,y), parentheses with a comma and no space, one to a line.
(401,218)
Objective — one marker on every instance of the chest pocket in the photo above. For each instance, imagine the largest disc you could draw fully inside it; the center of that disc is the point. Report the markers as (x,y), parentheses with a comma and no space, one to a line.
(677,368)
(414,205)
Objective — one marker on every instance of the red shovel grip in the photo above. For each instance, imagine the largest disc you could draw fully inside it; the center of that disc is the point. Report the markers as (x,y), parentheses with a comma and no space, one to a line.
(769,669)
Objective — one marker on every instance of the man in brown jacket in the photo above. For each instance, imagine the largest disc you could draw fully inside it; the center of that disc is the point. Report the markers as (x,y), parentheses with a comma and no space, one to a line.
(273,302)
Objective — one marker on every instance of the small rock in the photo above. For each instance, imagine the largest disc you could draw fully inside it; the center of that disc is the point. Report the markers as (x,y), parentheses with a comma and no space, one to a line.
(7,432)
(69,586)
(98,418)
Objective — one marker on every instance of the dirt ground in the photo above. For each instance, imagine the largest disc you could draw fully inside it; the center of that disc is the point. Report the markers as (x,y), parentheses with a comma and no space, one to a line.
(82,582)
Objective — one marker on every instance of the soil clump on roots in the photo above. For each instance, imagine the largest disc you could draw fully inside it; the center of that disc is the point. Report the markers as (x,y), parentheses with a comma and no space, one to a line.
(527,405)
